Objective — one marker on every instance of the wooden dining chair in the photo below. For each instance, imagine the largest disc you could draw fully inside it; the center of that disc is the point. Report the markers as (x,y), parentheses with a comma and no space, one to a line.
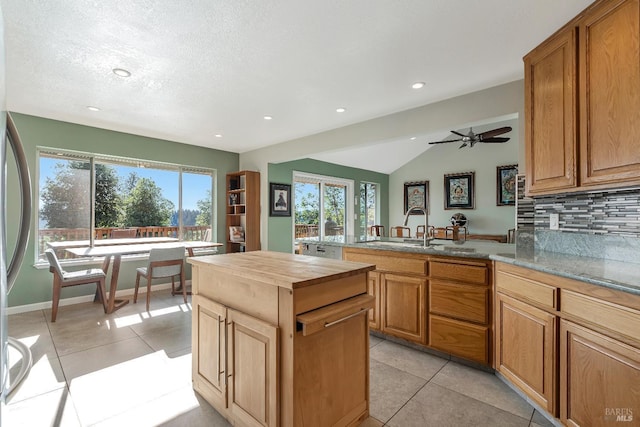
(376,230)
(163,263)
(62,279)
(400,231)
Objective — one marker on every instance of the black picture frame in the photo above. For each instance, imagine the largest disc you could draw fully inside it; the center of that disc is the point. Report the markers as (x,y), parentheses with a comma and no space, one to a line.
(459,190)
(506,183)
(279,199)
(416,193)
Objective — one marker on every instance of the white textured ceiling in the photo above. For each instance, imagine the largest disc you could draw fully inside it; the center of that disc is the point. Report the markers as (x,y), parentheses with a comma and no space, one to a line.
(207,67)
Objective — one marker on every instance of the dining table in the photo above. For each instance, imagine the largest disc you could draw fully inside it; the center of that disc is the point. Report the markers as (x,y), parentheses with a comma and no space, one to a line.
(115,253)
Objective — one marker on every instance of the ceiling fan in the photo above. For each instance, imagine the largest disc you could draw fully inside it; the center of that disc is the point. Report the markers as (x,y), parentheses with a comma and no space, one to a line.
(471,138)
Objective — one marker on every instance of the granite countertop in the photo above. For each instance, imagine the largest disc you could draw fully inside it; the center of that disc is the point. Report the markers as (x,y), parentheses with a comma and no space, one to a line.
(618,275)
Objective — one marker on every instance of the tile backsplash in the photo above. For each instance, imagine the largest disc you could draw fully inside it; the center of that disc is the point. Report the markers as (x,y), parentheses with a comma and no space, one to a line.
(595,224)
(613,212)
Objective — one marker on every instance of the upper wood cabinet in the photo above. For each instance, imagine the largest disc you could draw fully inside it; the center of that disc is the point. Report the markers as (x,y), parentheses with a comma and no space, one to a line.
(588,73)
(610,93)
(550,109)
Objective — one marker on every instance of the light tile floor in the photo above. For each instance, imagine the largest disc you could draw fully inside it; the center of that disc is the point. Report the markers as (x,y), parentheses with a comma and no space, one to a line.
(133,368)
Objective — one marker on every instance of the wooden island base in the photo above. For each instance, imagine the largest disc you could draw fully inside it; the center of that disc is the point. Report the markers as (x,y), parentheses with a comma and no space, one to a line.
(281,339)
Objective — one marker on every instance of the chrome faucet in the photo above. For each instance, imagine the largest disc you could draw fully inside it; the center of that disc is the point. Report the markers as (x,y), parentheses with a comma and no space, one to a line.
(426,221)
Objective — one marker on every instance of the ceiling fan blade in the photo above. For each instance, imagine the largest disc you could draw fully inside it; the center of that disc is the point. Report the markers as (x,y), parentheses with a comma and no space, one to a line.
(498,139)
(443,142)
(458,133)
(495,132)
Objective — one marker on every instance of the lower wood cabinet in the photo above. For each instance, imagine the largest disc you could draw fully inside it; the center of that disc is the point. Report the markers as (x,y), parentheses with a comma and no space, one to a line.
(599,379)
(404,307)
(526,349)
(235,362)
(459,338)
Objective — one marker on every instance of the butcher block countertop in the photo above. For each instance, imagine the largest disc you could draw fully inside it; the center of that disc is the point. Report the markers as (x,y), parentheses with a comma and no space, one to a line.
(280,269)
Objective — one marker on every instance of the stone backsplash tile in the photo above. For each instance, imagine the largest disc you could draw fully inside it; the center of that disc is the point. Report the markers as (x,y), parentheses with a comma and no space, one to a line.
(594,224)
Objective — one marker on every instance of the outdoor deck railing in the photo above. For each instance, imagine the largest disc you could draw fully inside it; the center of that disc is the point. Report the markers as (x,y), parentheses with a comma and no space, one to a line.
(192,232)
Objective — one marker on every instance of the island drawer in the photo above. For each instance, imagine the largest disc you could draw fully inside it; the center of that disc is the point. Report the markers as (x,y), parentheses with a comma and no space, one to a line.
(513,280)
(460,272)
(320,319)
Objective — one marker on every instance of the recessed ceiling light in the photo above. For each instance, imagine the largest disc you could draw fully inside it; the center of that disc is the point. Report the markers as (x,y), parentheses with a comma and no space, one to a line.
(121,72)
(418,85)
(413,138)
(218,135)
(341,110)
(268,117)
(92,108)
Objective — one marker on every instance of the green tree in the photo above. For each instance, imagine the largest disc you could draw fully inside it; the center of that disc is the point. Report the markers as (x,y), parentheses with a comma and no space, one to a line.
(204,206)
(334,203)
(66,196)
(144,205)
(108,199)
(307,203)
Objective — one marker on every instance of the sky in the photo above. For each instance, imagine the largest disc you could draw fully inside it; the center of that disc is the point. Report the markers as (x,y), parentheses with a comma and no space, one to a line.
(195,185)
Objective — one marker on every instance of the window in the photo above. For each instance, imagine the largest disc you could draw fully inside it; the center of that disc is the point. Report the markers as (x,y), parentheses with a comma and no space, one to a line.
(127,198)
(369,212)
(320,209)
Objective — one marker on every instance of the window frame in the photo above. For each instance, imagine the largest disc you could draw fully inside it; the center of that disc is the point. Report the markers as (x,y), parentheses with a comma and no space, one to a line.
(93,158)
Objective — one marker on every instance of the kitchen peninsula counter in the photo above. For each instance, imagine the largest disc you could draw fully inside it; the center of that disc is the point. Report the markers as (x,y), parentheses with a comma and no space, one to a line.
(617,275)
(281,339)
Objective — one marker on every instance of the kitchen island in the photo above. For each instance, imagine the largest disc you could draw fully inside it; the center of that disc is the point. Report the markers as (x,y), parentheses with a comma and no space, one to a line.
(281,339)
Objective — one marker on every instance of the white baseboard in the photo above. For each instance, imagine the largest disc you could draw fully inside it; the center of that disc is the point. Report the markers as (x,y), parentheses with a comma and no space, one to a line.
(85,298)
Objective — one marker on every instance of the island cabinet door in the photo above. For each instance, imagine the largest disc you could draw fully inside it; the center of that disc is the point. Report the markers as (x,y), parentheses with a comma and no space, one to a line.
(208,350)
(404,312)
(252,364)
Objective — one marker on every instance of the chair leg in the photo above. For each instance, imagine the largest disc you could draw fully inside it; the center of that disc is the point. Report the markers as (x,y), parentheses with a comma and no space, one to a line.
(183,285)
(173,285)
(55,299)
(103,294)
(148,291)
(135,291)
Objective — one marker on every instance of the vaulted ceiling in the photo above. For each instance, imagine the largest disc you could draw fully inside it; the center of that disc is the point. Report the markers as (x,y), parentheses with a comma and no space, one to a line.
(207,72)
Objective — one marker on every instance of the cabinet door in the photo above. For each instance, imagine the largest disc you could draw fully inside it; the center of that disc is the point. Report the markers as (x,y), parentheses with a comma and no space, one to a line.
(404,307)
(599,379)
(610,93)
(208,350)
(373,288)
(550,111)
(253,360)
(526,349)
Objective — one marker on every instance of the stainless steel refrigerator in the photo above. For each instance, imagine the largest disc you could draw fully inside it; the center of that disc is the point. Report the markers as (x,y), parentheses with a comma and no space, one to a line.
(9,270)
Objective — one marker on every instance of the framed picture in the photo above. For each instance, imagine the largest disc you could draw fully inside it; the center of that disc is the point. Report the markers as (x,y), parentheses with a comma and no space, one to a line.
(416,194)
(459,190)
(279,199)
(236,234)
(506,185)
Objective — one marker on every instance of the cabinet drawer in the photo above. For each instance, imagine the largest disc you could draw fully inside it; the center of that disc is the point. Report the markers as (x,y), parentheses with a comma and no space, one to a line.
(387,262)
(459,338)
(525,288)
(459,272)
(614,317)
(466,302)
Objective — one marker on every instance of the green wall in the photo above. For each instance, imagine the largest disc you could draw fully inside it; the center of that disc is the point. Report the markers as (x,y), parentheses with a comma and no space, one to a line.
(280,229)
(33,285)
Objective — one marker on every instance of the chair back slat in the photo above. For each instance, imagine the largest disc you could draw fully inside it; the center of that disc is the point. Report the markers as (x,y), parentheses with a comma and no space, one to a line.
(53,261)
(159,255)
